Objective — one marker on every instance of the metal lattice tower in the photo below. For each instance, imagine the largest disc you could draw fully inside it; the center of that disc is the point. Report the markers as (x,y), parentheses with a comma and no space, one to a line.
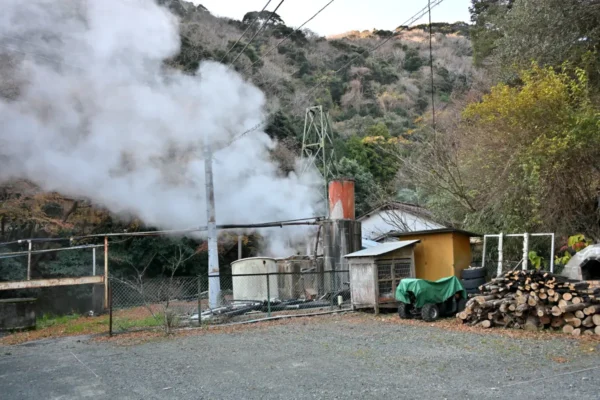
(317,145)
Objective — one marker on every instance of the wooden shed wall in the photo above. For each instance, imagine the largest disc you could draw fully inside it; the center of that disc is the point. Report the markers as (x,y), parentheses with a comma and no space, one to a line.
(434,256)
(462,252)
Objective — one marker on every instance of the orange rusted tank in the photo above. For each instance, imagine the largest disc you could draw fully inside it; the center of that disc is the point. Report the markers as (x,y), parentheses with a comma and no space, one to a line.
(341,199)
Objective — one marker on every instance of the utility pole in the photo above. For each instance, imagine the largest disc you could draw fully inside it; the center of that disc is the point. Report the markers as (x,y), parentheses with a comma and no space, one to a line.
(214,283)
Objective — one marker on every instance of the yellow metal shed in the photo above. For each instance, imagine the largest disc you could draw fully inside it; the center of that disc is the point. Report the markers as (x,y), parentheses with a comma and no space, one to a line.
(439,253)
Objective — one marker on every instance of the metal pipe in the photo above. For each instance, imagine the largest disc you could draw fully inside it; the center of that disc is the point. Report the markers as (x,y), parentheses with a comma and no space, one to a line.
(483,256)
(106,272)
(525,251)
(214,283)
(29,261)
(110,309)
(552,254)
(500,255)
(94,261)
(275,224)
(268,295)
(24,253)
(239,247)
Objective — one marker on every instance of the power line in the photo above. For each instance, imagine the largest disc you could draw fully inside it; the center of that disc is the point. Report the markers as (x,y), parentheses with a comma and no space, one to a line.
(263,26)
(410,21)
(246,31)
(431,67)
(288,36)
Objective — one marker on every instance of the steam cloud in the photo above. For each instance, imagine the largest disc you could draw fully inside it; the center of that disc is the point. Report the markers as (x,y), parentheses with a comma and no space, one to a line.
(96,114)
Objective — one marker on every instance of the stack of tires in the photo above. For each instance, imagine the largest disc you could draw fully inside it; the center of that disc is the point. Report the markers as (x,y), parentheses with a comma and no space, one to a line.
(472,278)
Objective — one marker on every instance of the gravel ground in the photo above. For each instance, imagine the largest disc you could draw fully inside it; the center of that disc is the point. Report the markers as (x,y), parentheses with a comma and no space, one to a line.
(333,357)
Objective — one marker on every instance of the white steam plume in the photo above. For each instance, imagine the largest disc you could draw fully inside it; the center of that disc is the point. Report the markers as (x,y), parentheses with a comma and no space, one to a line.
(96,114)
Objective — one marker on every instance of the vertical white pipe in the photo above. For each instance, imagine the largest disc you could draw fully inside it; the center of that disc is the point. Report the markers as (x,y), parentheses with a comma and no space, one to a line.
(500,243)
(483,256)
(552,254)
(239,247)
(94,261)
(525,251)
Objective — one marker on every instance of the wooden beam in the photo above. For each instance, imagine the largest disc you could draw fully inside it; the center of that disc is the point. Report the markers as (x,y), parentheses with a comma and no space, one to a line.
(39,283)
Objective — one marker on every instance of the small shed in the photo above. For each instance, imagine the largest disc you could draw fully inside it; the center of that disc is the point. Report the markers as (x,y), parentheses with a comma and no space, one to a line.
(440,252)
(375,273)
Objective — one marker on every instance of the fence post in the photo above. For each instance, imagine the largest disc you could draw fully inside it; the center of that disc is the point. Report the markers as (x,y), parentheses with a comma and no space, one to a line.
(199,301)
(106,271)
(525,251)
(500,254)
(268,295)
(29,260)
(110,310)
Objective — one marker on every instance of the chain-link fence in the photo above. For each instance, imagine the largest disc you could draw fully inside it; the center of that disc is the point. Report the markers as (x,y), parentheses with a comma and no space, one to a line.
(166,303)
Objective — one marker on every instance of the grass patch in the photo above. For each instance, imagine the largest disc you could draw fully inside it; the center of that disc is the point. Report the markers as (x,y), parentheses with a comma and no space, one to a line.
(48,326)
(49,320)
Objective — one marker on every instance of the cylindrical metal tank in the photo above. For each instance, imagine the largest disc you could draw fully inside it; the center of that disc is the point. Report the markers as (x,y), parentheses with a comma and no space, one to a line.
(341,199)
(340,237)
(254,287)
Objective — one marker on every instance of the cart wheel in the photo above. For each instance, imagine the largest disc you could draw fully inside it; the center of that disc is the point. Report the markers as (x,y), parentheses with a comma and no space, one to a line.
(404,310)
(430,312)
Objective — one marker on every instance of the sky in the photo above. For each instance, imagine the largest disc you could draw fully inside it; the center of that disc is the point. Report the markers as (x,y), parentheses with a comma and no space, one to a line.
(343,15)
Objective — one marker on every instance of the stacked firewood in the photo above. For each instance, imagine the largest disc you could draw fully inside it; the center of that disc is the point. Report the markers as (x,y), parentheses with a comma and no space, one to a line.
(534,300)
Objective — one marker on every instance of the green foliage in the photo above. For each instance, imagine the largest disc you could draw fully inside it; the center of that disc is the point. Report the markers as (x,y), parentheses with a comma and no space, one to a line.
(282,126)
(366,189)
(485,15)
(263,16)
(535,260)
(375,153)
(575,244)
(535,138)
(190,55)
(413,61)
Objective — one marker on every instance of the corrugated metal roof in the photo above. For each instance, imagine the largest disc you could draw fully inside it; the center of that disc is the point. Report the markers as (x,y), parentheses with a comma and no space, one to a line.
(382,249)
(396,234)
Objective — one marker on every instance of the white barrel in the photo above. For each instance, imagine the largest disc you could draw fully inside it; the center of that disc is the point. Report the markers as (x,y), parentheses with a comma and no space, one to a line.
(254,287)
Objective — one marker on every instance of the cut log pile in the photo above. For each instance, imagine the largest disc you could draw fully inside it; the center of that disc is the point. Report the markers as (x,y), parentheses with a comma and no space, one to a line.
(535,300)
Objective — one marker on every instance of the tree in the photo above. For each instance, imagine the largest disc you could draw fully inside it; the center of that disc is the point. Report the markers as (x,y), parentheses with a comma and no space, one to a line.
(485,15)
(375,153)
(367,191)
(262,17)
(555,30)
(530,153)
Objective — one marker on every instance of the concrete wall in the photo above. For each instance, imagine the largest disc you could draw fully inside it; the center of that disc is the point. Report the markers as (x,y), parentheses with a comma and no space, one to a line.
(17,313)
(378,223)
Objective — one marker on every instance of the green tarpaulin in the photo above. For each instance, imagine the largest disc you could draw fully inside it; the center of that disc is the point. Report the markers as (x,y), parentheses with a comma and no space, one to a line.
(429,291)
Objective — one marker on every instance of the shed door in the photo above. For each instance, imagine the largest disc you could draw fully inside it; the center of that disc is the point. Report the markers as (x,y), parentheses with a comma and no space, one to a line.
(362,284)
(389,275)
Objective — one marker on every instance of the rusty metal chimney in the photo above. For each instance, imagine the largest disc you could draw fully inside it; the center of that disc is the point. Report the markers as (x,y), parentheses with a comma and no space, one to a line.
(341,234)
(341,199)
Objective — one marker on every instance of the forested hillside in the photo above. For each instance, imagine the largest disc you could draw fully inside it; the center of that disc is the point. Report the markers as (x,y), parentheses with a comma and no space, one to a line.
(514,145)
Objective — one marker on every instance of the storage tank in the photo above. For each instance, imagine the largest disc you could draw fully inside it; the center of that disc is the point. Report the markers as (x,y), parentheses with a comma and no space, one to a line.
(249,287)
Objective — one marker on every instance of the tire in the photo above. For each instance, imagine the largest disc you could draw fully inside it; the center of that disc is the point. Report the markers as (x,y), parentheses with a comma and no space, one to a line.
(473,283)
(430,312)
(472,291)
(404,310)
(472,273)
